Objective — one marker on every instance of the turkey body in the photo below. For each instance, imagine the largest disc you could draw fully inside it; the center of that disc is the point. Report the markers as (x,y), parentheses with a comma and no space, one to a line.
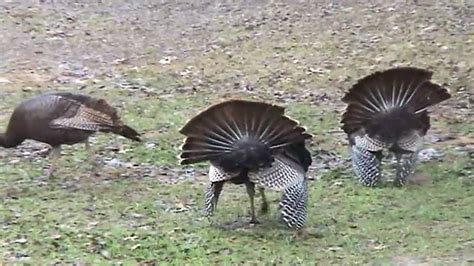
(32,119)
(389,110)
(62,118)
(254,144)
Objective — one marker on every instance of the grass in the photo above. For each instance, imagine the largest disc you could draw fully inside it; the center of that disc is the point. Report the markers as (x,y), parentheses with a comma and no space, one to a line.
(162,222)
(144,208)
(119,218)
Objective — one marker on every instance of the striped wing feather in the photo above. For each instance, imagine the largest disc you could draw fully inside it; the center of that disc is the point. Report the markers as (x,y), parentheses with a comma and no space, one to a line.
(79,116)
(283,173)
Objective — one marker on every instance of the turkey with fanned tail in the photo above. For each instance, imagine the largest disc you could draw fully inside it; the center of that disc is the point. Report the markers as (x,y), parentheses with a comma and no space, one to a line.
(389,110)
(255,144)
(63,118)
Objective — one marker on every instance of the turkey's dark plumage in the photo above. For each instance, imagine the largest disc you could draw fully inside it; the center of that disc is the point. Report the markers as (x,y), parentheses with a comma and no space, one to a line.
(62,118)
(389,110)
(251,143)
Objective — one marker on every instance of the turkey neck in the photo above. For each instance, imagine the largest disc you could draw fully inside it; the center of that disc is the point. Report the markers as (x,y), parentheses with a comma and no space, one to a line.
(7,141)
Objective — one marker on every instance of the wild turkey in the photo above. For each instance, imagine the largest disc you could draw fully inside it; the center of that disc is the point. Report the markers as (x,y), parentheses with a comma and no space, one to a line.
(62,118)
(251,143)
(389,110)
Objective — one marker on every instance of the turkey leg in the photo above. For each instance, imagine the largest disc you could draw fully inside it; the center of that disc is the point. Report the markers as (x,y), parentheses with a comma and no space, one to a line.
(54,156)
(251,191)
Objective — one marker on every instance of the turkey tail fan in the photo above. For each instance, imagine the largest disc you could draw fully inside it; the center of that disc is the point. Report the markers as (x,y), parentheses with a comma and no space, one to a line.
(237,129)
(128,132)
(408,89)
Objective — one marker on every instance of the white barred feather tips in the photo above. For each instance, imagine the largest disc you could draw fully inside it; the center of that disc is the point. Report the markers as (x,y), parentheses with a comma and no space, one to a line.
(366,166)
(282,174)
(294,204)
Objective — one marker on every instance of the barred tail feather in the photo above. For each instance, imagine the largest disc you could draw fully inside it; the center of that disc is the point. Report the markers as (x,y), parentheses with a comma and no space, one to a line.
(211,196)
(294,204)
(233,128)
(409,89)
(405,166)
(366,166)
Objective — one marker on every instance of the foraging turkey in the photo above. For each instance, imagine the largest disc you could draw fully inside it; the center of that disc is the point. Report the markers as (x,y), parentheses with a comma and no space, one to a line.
(388,110)
(62,118)
(251,143)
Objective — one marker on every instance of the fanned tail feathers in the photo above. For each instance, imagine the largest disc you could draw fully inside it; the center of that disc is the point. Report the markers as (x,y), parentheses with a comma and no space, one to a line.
(128,132)
(407,89)
(238,129)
